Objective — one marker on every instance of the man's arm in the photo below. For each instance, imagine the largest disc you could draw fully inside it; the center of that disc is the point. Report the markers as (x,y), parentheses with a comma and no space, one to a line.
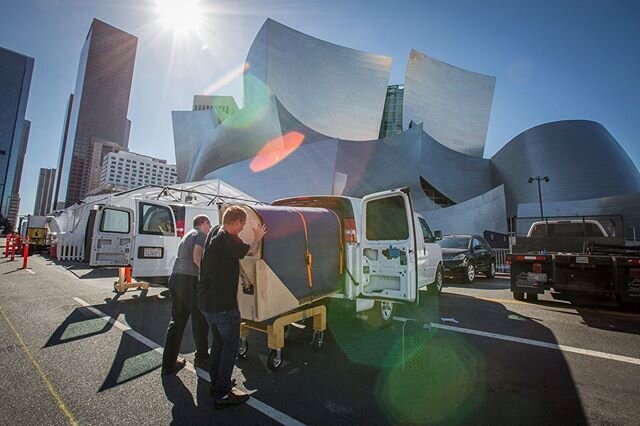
(258,234)
(197,255)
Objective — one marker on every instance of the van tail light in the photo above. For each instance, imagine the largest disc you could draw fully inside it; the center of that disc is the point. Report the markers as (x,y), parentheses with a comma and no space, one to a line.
(537,267)
(180,228)
(350,231)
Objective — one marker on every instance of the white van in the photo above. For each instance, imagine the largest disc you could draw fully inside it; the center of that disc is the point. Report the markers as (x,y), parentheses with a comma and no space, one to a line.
(145,235)
(389,250)
(377,228)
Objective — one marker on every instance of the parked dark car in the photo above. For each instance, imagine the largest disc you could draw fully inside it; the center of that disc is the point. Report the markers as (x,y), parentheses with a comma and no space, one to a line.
(466,255)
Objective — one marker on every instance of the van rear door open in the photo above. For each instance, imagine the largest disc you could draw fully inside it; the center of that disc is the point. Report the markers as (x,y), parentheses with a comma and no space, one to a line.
(112,240)
(157,239)
(388,247)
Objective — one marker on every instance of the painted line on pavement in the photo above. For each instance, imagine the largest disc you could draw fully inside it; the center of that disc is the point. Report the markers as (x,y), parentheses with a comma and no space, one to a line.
(253,402)
(61,404)
(531,342)
(30,271)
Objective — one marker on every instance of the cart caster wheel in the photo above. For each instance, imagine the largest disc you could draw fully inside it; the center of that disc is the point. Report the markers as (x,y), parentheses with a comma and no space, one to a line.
(287,332)
(275,359)
(243,348)
(317,340)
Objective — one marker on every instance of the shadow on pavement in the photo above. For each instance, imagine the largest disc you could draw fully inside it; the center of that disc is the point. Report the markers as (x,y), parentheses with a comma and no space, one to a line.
(359,377)
(188,410)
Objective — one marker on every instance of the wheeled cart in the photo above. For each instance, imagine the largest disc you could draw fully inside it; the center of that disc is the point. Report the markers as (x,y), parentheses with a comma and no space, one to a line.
(276,332)
(124,281)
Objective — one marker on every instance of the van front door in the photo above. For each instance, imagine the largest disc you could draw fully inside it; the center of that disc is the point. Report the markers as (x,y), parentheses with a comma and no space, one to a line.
(389,269)
(112,239)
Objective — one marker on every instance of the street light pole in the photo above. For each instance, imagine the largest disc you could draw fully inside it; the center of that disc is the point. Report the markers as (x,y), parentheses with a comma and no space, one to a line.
(538,179)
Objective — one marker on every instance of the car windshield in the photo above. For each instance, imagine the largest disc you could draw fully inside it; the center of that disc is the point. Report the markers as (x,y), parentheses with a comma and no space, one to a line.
(455,242)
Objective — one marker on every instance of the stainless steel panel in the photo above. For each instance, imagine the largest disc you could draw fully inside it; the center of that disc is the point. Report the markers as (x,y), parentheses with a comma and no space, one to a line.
(454,104)
(333,90)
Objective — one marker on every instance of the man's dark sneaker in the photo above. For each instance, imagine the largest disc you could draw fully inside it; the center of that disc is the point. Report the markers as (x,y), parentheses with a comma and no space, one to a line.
(179,365)
(211,386)
(202,363)
(234,397)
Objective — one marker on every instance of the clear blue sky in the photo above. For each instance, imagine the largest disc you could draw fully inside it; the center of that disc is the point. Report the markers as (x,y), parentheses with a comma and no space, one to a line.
(553,60)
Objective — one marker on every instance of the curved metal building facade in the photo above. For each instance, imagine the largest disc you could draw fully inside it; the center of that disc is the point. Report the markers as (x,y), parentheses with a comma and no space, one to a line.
(332,89)
(580,157)
(454,104)
(310,124)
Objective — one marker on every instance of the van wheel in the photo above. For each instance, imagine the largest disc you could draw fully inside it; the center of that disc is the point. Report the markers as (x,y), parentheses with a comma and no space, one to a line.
(518,295)
(435,288)
(381,315)
(470,273)
(491,272)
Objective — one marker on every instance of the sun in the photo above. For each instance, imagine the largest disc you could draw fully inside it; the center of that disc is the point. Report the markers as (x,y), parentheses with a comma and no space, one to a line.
(180,15)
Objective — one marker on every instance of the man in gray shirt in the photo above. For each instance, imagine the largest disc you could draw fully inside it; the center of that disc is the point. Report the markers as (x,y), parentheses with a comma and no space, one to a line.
(183,285)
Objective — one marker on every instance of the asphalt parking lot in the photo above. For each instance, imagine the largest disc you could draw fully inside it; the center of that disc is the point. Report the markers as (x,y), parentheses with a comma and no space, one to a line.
(72,351)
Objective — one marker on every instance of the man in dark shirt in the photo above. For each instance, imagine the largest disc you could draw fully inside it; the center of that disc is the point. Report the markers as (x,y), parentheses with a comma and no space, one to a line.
(184,300)
(217,298)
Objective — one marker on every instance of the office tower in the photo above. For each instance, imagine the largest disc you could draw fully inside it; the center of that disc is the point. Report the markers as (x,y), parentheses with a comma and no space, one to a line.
(130,170)
(44,193)
(58,203)
(15,81)
(99,109)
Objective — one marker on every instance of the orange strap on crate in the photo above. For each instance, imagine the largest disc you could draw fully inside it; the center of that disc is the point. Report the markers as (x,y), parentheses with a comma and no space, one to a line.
(307,256)
(341,248)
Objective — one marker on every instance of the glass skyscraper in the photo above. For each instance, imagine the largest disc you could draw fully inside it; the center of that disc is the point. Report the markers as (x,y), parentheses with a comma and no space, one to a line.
(99,108)
(15,81)
(392,113)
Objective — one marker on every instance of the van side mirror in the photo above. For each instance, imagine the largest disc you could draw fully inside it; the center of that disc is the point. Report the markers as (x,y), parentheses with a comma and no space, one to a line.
(437,235)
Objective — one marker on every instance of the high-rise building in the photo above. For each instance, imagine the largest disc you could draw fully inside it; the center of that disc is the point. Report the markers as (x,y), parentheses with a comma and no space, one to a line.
(99,108)
(15,81)
(224,106)
(392,113)
(59,203)
(14,200)
(125,170)
(44,193)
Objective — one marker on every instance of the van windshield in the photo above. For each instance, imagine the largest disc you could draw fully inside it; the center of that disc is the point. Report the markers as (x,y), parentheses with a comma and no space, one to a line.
(455,242)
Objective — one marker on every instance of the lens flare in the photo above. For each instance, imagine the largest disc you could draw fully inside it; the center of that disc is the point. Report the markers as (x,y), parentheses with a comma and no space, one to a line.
(180,15)
(275,151)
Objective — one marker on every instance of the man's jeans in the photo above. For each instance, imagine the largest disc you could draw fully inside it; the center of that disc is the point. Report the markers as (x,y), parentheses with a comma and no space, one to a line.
(225,327)
(184,304)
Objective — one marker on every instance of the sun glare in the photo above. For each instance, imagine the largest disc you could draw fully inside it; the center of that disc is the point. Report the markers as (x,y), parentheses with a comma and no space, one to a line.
(180,15)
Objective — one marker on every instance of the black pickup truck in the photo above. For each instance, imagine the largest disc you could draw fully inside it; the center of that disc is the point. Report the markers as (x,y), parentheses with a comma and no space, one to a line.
(565,261)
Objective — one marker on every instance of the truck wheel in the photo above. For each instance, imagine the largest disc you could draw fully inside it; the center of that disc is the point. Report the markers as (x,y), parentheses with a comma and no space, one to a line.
(532,297)
(435,288)
(518,295)
(381,315)
(470,273)
(491,272)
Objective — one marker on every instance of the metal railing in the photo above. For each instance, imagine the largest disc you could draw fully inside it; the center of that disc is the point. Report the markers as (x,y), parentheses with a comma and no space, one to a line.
(70,251)
(501,257)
